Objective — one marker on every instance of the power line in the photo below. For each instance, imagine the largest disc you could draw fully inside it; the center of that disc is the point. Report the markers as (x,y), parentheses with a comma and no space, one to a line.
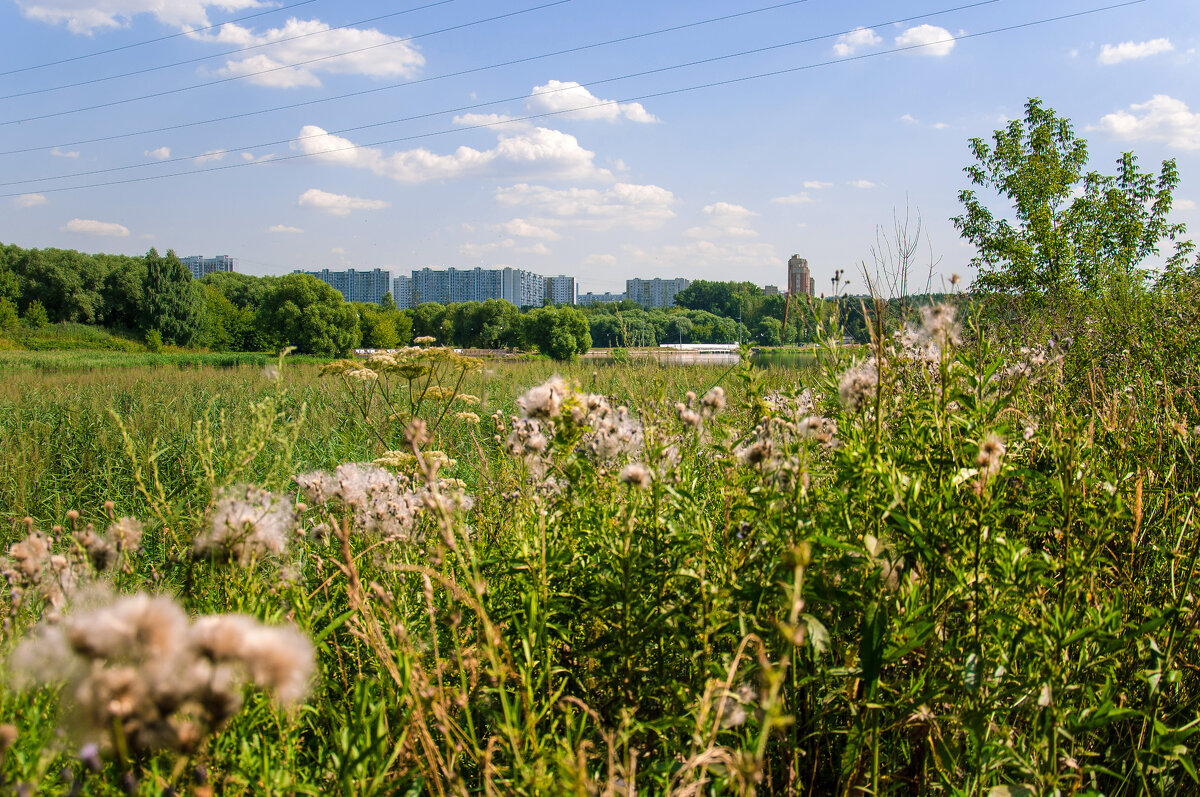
(488,103)
(639,98)
(149,69)
(232,78)
(154,41)
(389,87)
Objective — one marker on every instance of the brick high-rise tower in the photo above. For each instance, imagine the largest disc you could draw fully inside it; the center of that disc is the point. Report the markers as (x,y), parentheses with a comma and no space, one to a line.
(800,281)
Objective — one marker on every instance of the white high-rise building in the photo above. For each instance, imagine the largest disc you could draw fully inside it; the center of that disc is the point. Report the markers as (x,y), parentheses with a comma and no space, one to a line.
(200,265)
(402,291)
(655,292)
(560,289)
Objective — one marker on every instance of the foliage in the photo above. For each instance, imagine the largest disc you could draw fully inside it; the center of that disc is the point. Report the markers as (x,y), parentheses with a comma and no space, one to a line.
(172,304)
(35,315)
(383,328)
(154,341)
(561,333)
(302,311)
(1069,231)
(8,316)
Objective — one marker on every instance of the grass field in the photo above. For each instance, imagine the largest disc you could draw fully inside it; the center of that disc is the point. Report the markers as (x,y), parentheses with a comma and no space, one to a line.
(945,569)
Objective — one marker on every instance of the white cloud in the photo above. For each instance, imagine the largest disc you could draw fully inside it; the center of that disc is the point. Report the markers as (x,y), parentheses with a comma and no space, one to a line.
(537,249)
(696,254)
(86,17)
(801,198)
(249,157)
(368,52)
(560,95)
(283,228)
(58,153)
(29,200)
(726,220)
(930,39)
(524,229)
(1130,51)
(1162,118)
(862,184)
(338,204)
(481,119)
(160,154)
(641,207)
(1185,204)
(909,118)
(816,185)
(940,126)
(600,260)
(92,227)
(211,155)
(849,43)
(538,151)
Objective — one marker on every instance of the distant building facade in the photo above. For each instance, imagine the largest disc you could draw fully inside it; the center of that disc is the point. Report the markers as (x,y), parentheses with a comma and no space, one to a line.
(453,285)
(356,286)
(770,290)
(600,298)
(200,265)
(560,289)
(800,279)
(402,291)
(655,292)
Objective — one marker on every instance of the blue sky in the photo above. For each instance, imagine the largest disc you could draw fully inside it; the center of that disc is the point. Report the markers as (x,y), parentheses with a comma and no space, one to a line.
(412,140)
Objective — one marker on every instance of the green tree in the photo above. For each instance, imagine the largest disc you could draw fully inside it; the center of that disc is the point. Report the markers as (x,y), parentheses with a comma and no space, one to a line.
(377,327)
(8,315)
(561,333)
(172,303)
(302,311)
(1051,244)
(35,315)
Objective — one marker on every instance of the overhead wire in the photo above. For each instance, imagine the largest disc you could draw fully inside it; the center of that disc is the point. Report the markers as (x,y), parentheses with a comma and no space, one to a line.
(391,86)
(489,103)
(232,78)
(147,70)
(156,40)
(638,98)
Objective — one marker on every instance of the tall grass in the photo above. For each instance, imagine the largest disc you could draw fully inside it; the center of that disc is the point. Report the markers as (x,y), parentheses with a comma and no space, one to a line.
(922,568)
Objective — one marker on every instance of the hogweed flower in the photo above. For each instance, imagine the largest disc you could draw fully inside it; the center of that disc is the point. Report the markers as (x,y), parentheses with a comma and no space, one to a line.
(859,384)
(544,400)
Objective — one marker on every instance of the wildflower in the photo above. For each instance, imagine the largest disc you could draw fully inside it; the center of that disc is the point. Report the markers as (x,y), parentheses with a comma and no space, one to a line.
(126,534)
(467,417)
(938,324)
(8,736)
(424,339)
(991,455)
(756,453)
(468,399)
(636,475)
(734,706)
(714,400)
(245,523)
(544,400)
(135,664)
(689,416)
(858,384)
(271,372)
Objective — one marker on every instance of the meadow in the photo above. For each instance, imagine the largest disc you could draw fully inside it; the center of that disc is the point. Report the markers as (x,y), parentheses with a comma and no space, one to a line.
(934,565)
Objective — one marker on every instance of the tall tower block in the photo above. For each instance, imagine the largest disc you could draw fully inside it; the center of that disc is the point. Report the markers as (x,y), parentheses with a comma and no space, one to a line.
(800,281)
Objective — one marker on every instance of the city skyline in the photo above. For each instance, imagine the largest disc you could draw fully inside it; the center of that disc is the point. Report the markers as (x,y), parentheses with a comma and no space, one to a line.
(597,142)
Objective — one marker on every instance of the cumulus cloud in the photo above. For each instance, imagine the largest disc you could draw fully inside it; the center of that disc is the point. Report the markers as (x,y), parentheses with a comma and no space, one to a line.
(801,198)
(211,155)
(560,95)
(481,119)
(1130,51)
(93,227)
(705,253)
(862,184)
(850,43)
(816,185)
(1162,118)
(600,260)
(909,118)
(29,200)
(537,151)
(314,47)
(338,204)
(1185,204)
(725,220)
(86,17)
(930,39)
(525,229)
(283,228)
(160,154)
(641,207)
(58,153)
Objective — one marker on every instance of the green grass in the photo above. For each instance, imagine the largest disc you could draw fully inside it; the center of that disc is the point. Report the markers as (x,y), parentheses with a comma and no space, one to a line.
(893,607)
